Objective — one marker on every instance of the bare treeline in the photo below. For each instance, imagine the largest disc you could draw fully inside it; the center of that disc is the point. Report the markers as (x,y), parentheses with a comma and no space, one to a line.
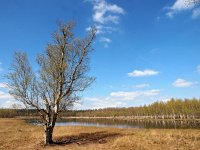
(172,109)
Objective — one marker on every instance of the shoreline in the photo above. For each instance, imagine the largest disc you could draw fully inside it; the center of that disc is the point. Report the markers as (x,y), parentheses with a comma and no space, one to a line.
(119,118)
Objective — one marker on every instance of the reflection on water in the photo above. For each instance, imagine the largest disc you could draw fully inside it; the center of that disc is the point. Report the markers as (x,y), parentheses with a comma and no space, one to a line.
(88,122)
(102,122)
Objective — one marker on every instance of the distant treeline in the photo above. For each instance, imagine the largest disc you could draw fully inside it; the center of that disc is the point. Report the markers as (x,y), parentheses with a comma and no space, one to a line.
(173,109)
(10,113)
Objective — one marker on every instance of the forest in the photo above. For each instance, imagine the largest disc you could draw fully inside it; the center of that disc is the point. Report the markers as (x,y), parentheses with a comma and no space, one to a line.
(172,109)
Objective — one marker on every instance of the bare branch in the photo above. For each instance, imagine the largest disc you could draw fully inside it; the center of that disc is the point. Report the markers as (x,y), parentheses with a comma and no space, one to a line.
(61,77)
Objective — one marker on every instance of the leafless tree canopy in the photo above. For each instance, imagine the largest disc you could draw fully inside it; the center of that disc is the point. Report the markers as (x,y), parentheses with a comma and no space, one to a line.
(61,77)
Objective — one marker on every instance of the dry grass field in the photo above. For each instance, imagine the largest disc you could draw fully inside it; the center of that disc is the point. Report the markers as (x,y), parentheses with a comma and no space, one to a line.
(15,134)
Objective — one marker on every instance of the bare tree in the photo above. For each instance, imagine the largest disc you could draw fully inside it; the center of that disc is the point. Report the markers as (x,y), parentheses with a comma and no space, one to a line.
(61,77)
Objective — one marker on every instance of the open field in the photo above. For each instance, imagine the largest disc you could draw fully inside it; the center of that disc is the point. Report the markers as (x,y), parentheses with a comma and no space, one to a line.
(16,134)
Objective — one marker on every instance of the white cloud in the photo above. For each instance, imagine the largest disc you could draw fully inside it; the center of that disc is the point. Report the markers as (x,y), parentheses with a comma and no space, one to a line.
(118,99)
(196,13)
(181,5)
(125,95)
(105,12)
(99,102)
(108,102)
(141,85)
(105,39)
(142,73)
(7,100)
(121,95)
(153,92)
(5,95)
(7,104)
(105,17)
(103,29)
(4,85)
(198,69)
(165,99)
(182,83)
(11,104)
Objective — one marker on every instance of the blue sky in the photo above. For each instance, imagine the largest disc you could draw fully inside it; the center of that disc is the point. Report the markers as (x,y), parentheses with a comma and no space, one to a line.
(145,50)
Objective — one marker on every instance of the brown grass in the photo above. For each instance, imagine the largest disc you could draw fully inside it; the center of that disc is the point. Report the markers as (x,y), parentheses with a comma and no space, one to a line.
(16,134)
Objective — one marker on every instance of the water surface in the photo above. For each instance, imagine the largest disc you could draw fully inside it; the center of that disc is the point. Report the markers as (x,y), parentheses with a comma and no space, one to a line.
(117,123)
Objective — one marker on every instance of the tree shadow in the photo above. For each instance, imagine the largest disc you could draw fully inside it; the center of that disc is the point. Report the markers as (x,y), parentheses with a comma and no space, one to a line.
(86,138)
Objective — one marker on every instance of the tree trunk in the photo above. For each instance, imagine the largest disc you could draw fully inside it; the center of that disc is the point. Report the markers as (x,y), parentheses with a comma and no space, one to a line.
(48,135)
(49,128)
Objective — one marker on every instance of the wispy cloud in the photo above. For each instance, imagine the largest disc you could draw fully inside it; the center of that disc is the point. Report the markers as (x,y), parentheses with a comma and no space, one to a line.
(105,17)
(182,83)
(121,95)
(104,102)
(6,100)
(198,69)
(141,85)
(196,13)
(142,73)
(103,29)
(118,99)
(11,103)
(4,85)
(105,39)
(153,92)
(5,96)
(183,5)
(105,12)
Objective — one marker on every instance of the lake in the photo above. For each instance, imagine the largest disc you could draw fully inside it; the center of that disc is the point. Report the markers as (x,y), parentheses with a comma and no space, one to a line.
(119,123)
